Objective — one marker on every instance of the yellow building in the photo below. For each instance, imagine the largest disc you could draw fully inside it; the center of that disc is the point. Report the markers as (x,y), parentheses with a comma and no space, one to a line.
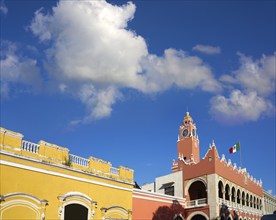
(43,181)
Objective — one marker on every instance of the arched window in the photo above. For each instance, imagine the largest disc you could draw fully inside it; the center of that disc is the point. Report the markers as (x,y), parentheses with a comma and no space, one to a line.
(75,205)
(238,196)
(14,204)
(197,190)
(243,198)
(220,189)
(233,194)
(251,201)
(75,211)
(227,192)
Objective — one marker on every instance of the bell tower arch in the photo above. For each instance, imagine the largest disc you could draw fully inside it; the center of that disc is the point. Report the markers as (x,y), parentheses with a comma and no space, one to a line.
(188,142)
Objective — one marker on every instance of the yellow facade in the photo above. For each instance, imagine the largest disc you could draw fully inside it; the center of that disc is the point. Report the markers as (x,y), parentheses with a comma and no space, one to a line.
(43,181)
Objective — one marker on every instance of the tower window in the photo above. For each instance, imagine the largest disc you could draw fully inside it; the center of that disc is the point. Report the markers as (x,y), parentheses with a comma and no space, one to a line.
(169,190)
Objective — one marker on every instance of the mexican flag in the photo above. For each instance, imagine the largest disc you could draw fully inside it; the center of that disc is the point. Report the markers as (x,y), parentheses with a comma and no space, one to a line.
(235,148)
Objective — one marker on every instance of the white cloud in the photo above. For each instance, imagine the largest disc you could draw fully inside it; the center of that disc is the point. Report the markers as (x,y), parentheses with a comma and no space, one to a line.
(99,102)
(3,8)
(256,80)
(16,69)
(258,76)
(240,107)
(207,49)
(89,42)
(178,68)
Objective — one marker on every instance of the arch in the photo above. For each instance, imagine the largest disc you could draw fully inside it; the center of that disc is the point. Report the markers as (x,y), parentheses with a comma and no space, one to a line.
(220,189)
(190,182)
(233,194)
(79,195)
(75,211)
(254,202)
(197,213)
(14,204)
(115,212)
(243,198)
(197,190)
(251,201)
(247,199)
(75,201)
(227,192)
(238,196)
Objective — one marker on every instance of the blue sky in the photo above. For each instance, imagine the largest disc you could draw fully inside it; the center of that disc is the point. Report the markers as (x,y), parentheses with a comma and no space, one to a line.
(114,79)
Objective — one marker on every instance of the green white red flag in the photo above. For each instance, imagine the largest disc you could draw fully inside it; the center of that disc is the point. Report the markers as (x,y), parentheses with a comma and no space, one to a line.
(235,148)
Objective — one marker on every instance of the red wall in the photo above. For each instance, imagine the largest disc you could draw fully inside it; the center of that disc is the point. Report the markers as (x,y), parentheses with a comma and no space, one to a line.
(145,204)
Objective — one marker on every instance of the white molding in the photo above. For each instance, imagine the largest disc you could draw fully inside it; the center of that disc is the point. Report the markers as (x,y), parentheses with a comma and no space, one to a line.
(19,202)
(20,194)
(156,200)
(197,213)
(158,195)
(61,166)
(11,148)
(39,170)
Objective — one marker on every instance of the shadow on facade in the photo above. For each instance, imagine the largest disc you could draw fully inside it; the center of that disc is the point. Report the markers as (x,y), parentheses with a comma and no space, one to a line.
(174,212)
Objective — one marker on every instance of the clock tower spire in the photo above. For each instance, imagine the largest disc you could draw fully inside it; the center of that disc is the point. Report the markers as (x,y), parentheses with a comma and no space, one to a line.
(188,142)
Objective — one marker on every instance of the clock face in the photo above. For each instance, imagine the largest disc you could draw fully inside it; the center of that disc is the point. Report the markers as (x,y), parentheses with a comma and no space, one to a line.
(185,132)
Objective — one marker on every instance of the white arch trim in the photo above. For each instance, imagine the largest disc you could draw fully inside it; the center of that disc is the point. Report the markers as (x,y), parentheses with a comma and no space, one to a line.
(20,203)
(74,198)
(190,182)
(116,210)
(24,195)
(198,213)
(77,194)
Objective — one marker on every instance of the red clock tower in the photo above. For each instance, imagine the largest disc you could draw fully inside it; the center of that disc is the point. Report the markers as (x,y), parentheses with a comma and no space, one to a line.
(188,142)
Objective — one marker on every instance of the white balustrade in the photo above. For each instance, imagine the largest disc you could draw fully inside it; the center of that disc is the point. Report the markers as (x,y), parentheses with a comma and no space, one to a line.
(29,146)
(240,207)
(114,170)
(197,202)
(78,160)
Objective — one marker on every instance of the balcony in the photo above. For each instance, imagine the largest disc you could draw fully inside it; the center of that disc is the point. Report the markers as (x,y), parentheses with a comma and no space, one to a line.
(196,203)
(240,207)
(48,153)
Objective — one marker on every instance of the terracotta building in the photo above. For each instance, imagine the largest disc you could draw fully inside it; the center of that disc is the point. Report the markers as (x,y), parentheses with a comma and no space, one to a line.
(212,186)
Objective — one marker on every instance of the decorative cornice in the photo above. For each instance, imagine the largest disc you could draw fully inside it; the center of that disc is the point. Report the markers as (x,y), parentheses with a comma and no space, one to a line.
(47,144)
(100,160)
(240,170)
(10,133)
(61,167)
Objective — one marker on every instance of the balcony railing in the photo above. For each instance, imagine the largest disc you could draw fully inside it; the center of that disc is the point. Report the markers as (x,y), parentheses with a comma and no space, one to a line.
(240,207)
(84,162)
(29,146)
(196,203)
(78,160)
(114,170)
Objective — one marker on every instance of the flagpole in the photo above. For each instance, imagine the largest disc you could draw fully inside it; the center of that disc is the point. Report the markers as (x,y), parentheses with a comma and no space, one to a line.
(240,155)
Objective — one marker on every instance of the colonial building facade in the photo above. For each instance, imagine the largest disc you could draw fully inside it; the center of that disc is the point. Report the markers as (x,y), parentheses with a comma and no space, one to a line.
(212,183)
(44,181)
